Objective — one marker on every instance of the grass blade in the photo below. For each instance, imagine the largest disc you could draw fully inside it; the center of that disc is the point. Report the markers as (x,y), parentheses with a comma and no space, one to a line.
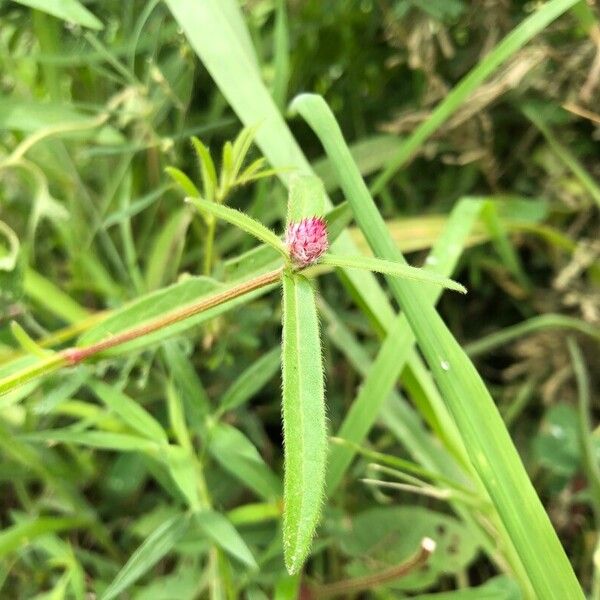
(391,268)
(103,440)
(251,380)
(218,528)
(565,155)
(67,10)
(131,413)
(307,198)
(305,436)
(12,538)
(156,546)
(484,434)
(237,455)
(391,359)
(529,326)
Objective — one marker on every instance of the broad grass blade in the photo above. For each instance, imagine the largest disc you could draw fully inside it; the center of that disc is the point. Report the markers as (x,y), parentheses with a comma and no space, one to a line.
(71,11)
(488,443)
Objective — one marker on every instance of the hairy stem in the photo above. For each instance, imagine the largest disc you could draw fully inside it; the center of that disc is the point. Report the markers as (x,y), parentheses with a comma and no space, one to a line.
(75,355)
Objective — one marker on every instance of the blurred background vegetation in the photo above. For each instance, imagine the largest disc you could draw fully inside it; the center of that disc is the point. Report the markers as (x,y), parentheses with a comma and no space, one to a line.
(89,119)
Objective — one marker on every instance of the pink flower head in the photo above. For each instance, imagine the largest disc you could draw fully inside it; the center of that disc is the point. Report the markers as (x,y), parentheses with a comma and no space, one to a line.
(306,240)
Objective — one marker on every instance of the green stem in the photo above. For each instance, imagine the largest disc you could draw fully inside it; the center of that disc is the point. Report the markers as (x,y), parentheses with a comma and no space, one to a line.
(209,246)
(75,355)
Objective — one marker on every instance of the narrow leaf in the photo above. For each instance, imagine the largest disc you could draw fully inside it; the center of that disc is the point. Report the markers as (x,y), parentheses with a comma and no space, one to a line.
(484,434)
(389,267)
(218,528)
(71,11)
(304,423)
(183,181)
(227,173)
(166,249)
(131,413)
(307,198)
(182,468)
(207,169)
(154,548)
(251,380)
(12,538)
(237,455)
(241,220)
(102,440)
(241,146)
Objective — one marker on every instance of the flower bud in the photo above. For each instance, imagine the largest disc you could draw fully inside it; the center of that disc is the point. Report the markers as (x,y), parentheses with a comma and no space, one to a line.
(307,240)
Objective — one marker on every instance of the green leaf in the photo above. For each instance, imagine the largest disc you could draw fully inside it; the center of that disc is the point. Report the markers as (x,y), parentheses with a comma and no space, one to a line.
(483,432)
(241,220)
(184,182)
(102,440)
(187,383)
(207,169)
(47,294)
(240,149)
(251,380)
(218,529)
(166,249)
(16,536)
(177,417)
(281,51)
(130,412)
(252,171)
(307,198)
(26,342)
(160,542)
(182,468)
(529,326)
(150,306)
(255,513)
(390,268)
(237,455)
(227,174)
(304,423)
(71,11)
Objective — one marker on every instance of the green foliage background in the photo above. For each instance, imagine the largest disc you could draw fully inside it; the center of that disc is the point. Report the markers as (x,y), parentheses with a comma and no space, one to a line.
(156,470)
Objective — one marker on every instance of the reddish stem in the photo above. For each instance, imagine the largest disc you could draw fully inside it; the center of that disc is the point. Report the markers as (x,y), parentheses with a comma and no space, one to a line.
(75,355)
(358,584)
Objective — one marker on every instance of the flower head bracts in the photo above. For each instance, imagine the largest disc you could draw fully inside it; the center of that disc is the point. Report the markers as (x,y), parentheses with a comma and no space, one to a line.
(306,240)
